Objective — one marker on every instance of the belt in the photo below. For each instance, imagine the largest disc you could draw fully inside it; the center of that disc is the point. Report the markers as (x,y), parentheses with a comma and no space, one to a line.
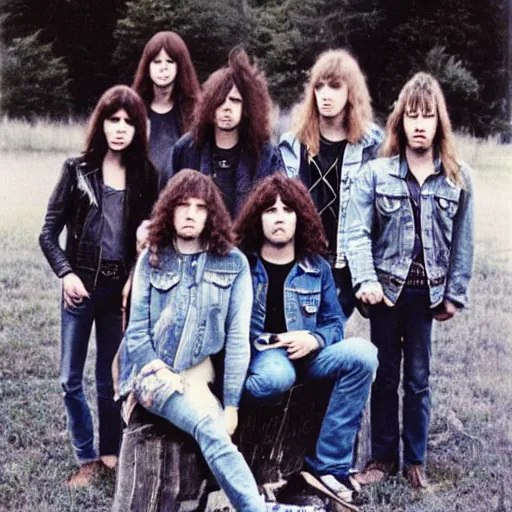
(112,269)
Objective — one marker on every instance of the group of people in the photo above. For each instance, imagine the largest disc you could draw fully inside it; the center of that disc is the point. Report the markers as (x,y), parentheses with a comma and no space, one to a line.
(229,245)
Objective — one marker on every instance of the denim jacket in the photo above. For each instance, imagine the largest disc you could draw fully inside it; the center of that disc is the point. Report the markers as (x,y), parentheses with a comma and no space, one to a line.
(380,231)
(218,318)
(295,158)
(310,301)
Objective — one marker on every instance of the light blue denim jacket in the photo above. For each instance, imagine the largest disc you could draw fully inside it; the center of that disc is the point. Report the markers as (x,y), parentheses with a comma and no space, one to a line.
(310,301)
(218,317)
(355,156)
(380,231)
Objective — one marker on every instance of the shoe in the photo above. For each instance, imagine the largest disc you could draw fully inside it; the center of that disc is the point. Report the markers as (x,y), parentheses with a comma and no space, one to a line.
(415,475)
(84,475)
(109,461)
(375,471)
(341,490)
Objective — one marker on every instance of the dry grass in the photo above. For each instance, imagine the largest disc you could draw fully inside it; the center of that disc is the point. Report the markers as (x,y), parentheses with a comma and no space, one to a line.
(470,447)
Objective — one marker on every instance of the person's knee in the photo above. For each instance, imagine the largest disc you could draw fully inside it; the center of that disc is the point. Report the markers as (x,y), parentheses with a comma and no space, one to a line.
(213,438)
(363,354)
(273,381)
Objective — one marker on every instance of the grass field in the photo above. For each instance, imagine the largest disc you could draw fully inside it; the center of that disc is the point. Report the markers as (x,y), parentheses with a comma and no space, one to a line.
(470,446)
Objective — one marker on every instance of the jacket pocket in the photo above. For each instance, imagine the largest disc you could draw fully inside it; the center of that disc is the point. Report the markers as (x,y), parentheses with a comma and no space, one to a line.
(389,204)
(163,281)
(217,288)
(446,206)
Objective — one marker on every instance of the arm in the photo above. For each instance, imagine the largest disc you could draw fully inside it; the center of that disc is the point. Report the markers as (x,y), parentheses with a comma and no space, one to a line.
(237,337)
(57,214)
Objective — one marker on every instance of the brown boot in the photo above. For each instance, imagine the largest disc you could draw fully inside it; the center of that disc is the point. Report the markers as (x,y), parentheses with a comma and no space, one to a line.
(415,474)
(375,471)
(85,474)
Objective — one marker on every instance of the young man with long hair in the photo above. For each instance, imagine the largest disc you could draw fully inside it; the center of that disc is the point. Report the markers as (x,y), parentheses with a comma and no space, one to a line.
(297,325)
(191,299)
(410,250)
(101,198)
(230,136)
(333,137)
(167,82)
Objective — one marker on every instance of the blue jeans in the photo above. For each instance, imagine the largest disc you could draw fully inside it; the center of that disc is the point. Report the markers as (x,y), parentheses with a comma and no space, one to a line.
(223,458)
(104,309)
(351,363)
(404,327)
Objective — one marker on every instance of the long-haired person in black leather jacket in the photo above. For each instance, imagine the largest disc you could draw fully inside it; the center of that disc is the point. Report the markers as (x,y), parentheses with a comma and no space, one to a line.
(101,198)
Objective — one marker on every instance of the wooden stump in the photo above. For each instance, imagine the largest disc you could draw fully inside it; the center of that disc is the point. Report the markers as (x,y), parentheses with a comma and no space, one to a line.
(161,467)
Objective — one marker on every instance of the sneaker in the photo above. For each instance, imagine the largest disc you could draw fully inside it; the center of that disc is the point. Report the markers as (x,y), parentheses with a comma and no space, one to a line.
(415,475)
(375,471)
(84,475)
(342,490)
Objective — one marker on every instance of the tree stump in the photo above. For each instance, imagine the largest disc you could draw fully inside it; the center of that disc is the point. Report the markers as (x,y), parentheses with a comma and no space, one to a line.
(161,468)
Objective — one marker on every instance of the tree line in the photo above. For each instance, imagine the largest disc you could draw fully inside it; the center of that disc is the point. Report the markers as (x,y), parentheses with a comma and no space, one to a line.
(58,56)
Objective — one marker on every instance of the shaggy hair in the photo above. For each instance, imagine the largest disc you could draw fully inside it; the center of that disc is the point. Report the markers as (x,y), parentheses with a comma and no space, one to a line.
(334,66)
(186,89)
(309,235)
(254,127)
(423,93)
(216,236)
(114,99)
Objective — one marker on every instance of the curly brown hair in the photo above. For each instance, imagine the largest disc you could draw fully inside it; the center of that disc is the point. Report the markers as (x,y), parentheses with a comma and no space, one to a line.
(186,87)
(309,235)
(216,237)
(254,127)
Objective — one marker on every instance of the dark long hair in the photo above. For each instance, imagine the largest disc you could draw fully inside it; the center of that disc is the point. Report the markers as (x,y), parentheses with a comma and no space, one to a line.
(216,236)
(251,83)
(186,89)
(309,235)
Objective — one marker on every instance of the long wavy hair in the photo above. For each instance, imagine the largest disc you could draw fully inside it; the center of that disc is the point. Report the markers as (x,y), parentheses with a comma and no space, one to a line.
(254,127)
(334,66)
(423,93)
(186,89)
(216,236)
(114,99)
(309,235)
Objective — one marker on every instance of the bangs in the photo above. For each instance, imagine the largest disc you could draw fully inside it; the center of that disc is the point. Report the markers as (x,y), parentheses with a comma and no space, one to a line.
(191,183)
(421,100)
(330,71)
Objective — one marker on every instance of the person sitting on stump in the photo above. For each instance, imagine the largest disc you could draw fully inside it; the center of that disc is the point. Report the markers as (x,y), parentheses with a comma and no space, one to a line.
(297,325)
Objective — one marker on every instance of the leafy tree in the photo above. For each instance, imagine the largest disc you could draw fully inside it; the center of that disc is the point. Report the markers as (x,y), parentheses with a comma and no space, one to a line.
(34,81)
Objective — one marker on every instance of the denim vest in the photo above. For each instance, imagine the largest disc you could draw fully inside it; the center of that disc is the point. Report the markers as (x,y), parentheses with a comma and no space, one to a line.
(354,157)
(380,231)
(218,317)
(310,301)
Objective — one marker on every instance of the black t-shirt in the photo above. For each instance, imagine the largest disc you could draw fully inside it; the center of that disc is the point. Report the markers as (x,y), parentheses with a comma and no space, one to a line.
(325,186)
(275,322)
(225,165)
(164,131)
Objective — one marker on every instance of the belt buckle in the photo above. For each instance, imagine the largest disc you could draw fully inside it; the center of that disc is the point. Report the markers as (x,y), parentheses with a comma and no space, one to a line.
(109,269)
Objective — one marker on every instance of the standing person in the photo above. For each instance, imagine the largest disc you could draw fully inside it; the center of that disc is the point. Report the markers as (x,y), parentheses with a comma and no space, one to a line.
(334,136)
(410,249)
(192,299)
(297,325)
(230,137)
(101,198)
(167,82)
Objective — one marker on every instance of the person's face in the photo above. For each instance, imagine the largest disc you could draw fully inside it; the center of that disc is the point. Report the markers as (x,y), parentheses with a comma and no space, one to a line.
(229,114)
(279,222)
(420,129)
(190,218)
(163,69)
(119,130)
(331,97)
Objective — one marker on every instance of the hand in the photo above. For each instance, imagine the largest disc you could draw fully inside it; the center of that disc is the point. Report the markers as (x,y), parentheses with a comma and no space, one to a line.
(298,343)
(171,379)
(449,310)
(115,374)
(231,418)
(142,235)
(73,290)
(370,293)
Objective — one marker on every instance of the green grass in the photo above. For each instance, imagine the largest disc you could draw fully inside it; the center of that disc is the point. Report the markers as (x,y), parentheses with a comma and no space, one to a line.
(470,445)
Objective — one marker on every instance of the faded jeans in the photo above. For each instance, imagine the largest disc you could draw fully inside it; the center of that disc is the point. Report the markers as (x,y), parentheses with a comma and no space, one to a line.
(404,328)
(351,363)
(104,309)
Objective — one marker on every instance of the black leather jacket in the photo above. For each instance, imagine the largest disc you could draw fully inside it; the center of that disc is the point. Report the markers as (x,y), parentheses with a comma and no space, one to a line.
(76,203)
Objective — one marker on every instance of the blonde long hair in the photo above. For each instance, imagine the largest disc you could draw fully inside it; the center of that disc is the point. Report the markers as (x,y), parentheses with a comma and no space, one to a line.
(335,65)
(423,92)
